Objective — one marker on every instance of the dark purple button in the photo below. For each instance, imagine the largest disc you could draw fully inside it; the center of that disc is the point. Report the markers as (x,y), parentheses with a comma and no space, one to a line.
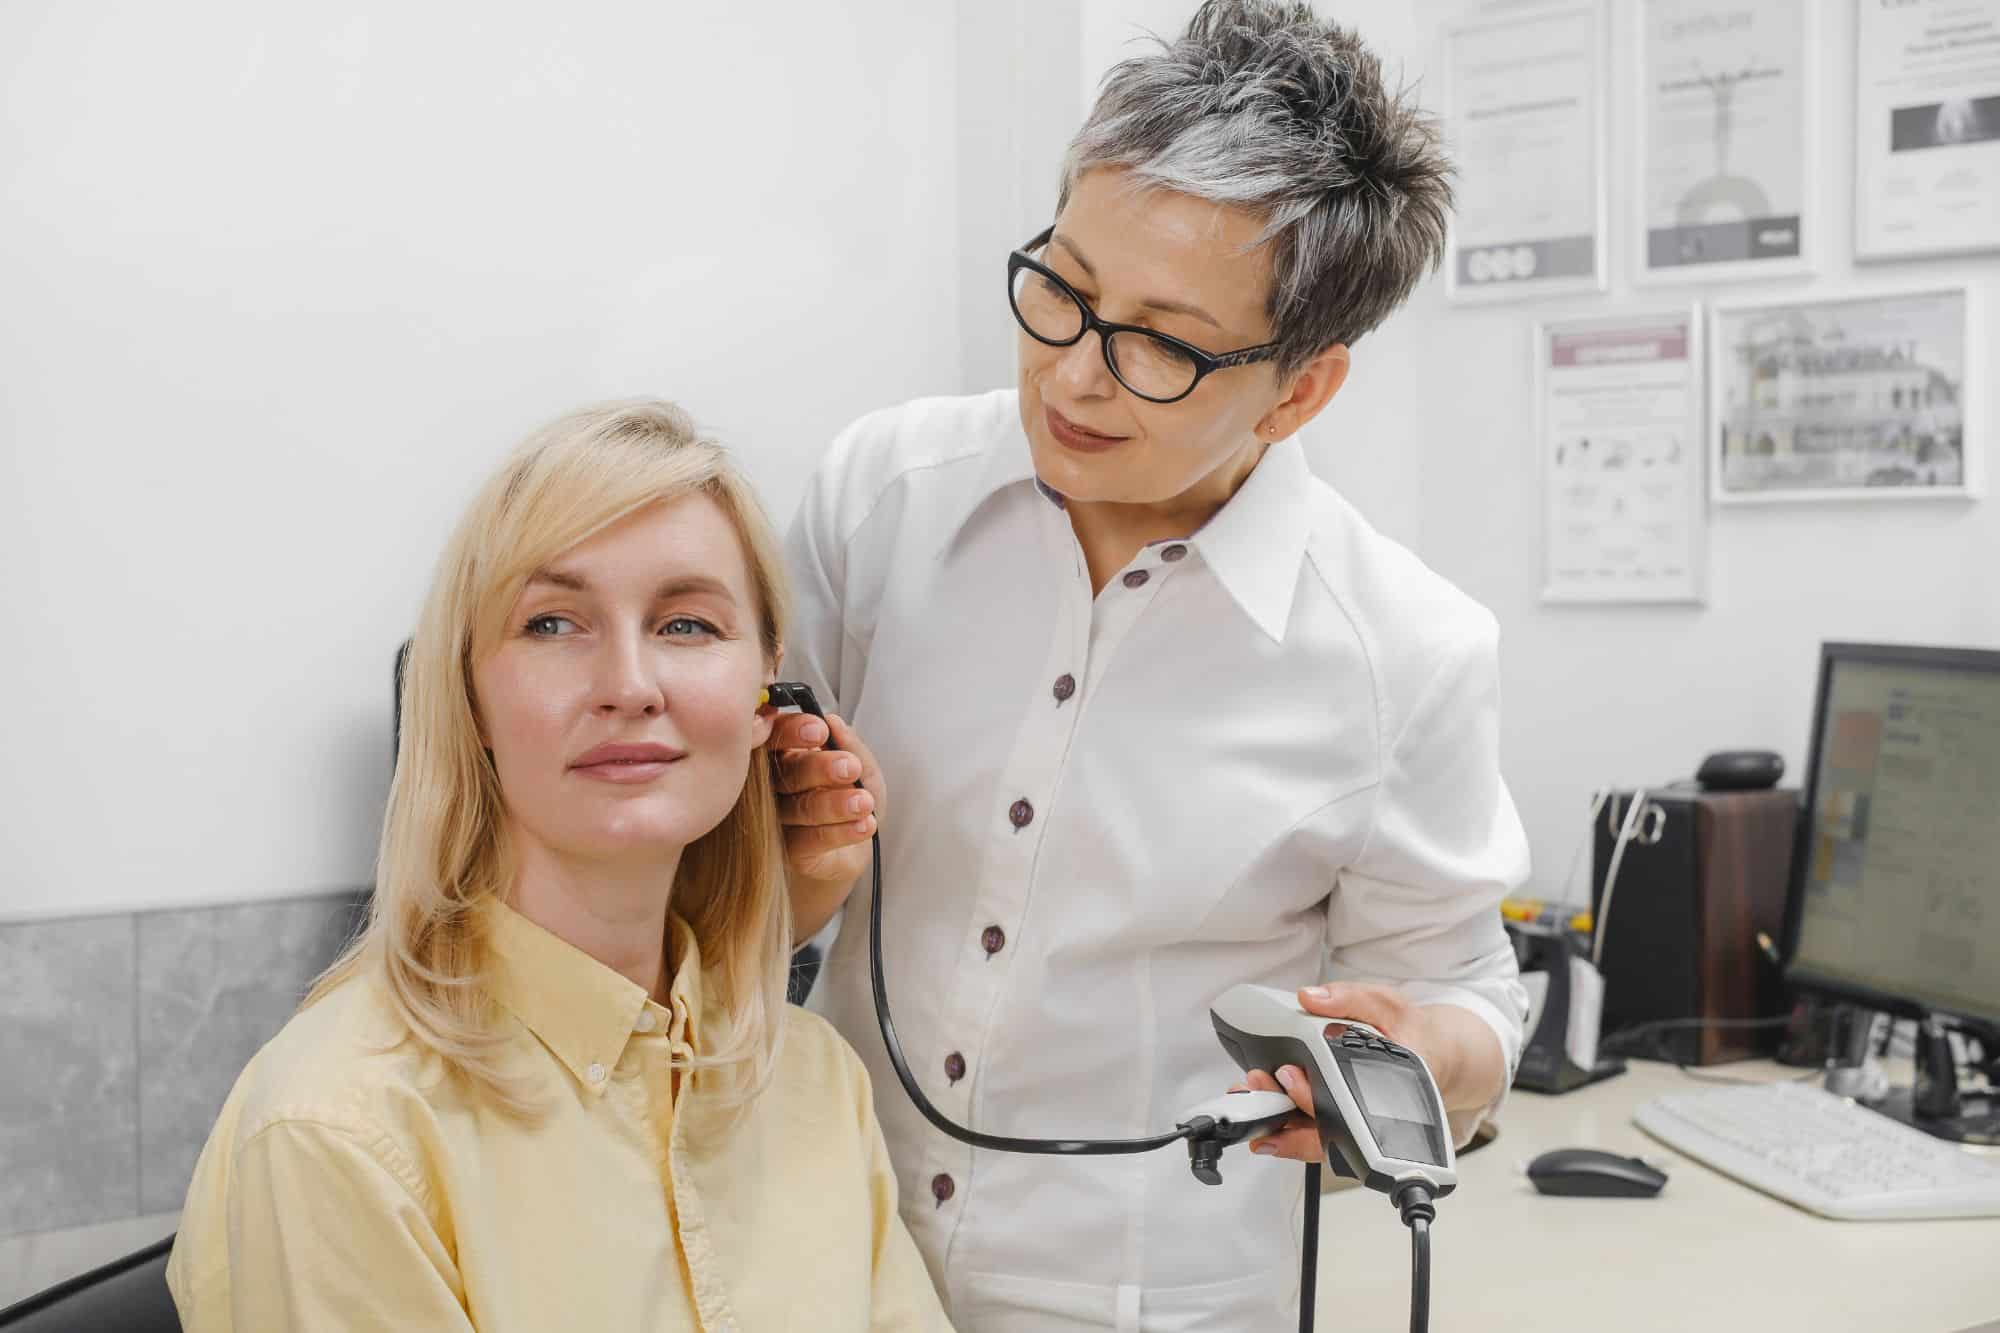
(941,1187)
(1173,553)
(1136,578)
(993,940)
(954,1066)
(1021,814)
(1065,687)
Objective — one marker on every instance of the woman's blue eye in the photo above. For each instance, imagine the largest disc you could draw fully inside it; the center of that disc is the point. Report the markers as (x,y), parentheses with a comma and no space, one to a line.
(682,626)
(536,626)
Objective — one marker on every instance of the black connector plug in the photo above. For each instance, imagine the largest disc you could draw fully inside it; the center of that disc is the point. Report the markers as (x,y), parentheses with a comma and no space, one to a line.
(792,694)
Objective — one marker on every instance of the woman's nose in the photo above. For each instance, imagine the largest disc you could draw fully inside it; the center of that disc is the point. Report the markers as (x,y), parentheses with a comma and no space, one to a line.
(626,680)
(1080,367)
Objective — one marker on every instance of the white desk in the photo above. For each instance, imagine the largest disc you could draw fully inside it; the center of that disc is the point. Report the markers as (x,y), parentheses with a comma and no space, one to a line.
(1706,1254)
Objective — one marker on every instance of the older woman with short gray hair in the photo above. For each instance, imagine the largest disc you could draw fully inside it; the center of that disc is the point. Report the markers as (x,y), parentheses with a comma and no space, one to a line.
(1160,711)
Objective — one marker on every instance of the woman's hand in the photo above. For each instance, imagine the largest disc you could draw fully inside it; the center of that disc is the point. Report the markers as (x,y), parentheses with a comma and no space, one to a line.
(1452,1041)
(827,819)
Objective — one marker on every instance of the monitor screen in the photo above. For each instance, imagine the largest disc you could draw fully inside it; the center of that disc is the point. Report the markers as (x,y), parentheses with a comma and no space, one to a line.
(1899,890)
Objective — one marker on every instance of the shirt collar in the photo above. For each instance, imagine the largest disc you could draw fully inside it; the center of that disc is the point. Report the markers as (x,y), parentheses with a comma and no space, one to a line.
(583,1011)
(1253,544)
(1256,542)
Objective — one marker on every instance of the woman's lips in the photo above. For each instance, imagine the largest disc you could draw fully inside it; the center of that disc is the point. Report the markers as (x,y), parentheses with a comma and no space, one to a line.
(1072,436)
(623,770)
(626,763)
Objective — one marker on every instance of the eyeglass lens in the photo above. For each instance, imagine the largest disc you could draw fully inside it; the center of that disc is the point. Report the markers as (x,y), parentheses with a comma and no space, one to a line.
(1150,367)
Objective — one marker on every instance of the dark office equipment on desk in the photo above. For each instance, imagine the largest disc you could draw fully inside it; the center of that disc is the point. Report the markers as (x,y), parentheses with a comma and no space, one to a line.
(1895,903)
(1894,907)
(1547,1064)
(1702,872)
(1740,770)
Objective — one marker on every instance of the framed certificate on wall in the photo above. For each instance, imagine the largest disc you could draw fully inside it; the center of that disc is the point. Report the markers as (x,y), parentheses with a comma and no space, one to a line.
(1875,396)
(1926,127)
(1524,114)
(1618,426)
(1726,139)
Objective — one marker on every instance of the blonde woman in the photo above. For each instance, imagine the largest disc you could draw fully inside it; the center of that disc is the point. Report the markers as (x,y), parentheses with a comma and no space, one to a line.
(555,1084)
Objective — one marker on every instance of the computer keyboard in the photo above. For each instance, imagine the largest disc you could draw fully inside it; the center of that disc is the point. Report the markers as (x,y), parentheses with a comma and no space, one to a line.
(1823,1153)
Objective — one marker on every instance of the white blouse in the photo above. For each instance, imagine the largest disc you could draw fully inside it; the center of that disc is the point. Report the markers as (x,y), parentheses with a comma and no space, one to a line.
(1275,738)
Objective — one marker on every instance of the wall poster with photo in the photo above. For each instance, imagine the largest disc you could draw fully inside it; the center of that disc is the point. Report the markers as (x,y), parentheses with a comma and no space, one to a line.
(1524,111)
(1726,139)
(1618,412)
(1926,127)
(1862,396)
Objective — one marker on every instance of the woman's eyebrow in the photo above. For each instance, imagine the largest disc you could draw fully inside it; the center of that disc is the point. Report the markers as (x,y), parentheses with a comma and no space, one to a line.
(690,583)
(1167,307)
(677,586)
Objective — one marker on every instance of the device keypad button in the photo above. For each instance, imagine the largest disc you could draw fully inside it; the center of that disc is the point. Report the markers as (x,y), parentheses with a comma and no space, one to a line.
(1065,686)
(993,940)
(942,1188)
(954,1066)
(1021,814)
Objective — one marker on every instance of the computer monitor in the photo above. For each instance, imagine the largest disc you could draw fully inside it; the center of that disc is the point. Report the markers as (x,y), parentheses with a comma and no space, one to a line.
(1895,900)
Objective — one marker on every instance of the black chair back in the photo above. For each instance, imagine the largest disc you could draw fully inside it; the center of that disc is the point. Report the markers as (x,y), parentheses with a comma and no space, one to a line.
(128,1294)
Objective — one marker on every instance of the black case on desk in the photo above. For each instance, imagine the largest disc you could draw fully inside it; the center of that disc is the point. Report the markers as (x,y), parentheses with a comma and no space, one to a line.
(1681,939)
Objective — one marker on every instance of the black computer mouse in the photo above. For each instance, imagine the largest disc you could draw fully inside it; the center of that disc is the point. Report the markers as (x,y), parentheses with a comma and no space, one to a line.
(1595,1174)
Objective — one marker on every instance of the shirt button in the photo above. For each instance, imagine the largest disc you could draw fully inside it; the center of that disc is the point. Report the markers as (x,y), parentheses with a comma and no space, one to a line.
(954,1066)
(1136,578)
(941,1187)
(993,939)
(595,1073)
(645,1022)
(1065,687)
(1173,553)
(1021,814)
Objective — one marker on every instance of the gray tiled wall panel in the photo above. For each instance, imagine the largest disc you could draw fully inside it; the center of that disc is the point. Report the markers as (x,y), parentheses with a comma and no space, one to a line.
(68,1073)
(214,985)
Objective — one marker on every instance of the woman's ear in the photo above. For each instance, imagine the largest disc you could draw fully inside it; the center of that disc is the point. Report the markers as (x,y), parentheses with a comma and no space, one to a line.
(767,716)
(1313,388)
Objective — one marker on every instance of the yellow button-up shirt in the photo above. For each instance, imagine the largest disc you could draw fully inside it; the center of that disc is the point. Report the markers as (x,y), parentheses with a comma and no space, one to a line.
(347,1185)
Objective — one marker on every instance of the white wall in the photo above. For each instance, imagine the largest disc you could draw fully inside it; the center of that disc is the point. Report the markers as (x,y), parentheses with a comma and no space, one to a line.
(1635,695)
(1018,104)
(282,284)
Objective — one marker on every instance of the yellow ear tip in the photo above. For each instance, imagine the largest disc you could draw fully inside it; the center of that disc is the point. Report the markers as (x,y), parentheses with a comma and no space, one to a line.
(763,697)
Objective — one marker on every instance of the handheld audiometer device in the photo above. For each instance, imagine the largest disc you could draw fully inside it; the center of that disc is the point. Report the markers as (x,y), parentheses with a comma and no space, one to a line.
(1379,1114)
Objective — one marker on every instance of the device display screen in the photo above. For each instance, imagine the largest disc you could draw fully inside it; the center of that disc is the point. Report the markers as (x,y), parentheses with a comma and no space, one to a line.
(1401,1114)
(1390,1090)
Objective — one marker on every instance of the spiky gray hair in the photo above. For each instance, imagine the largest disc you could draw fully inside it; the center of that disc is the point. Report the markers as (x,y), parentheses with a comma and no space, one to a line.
(1264,106)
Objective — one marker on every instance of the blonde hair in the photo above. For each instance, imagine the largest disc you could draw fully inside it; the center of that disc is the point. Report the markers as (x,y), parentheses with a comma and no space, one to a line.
(444,853)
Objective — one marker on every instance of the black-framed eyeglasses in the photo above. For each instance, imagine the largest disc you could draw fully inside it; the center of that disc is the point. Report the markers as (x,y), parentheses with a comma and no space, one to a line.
(1154,366)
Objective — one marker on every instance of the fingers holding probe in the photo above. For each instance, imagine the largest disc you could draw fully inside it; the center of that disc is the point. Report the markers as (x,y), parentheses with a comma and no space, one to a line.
(828,818)
(1299,1139)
